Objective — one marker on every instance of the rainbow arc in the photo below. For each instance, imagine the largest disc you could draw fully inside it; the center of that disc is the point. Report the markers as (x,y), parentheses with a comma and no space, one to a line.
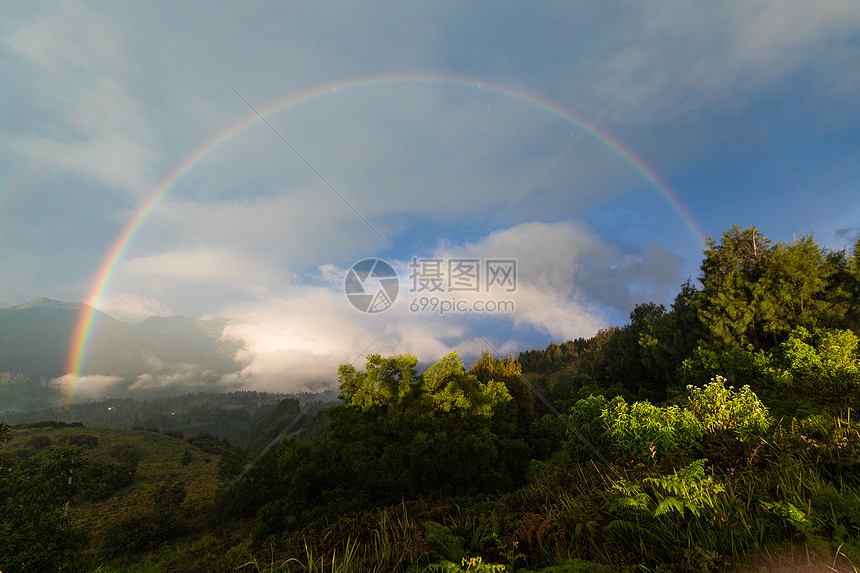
(82,333)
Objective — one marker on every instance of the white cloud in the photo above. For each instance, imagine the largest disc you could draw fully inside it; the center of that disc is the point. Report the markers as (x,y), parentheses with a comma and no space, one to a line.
(90,120)
(130,307)
(568,277)
(779,37)
(192,379)
(701,61)
(87,388)
(290,227)
(201,264)
(296,341)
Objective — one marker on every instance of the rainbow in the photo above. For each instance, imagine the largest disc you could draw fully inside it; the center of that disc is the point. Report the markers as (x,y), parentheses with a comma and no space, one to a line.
(84,326)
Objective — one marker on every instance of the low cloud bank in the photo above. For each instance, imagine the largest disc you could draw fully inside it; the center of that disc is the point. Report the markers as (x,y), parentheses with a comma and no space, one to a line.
(568,280)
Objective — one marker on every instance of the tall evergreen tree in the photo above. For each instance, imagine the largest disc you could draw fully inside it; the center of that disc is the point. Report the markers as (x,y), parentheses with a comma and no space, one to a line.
(755,292)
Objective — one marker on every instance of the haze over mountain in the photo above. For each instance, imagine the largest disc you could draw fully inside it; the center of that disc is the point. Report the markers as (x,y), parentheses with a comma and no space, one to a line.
(158,356)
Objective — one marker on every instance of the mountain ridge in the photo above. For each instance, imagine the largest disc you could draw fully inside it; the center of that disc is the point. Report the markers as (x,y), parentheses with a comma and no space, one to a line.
(45,302)
(152,355)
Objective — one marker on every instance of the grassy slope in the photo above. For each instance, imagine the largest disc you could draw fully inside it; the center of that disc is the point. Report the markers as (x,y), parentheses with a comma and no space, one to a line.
(161,461)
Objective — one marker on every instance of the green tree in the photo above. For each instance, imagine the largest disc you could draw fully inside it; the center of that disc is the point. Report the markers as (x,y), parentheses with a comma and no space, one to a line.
(449,388)
(127,454)
(454,433)
(384,381)
(794,279)
(36,533)
(169,494)
(489,368)
(821,367)
(731,301)
(230,464)
(842,292)
(446,385)
(755,292)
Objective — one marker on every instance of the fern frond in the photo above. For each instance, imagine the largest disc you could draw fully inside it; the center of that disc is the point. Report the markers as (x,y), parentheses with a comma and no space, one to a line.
(671,504)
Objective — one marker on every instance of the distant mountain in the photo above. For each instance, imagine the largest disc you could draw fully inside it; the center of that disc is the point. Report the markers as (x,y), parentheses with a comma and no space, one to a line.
(35,336)
(35,339)
(49,303)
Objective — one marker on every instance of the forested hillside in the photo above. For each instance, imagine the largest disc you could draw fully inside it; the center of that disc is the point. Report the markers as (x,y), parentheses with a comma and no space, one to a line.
(720,433)
(234,416)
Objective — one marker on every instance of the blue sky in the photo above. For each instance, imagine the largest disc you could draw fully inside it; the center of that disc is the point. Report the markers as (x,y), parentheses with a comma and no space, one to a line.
(747,111)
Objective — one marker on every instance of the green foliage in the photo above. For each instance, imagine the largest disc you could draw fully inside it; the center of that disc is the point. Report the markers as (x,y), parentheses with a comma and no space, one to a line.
(635,428)
(138,533)
(169,494)
(490,371)
(443,543)
(39,442)
(36,533)
(756,292)
(455,446)
(719,409)
(685,489)
(824,364)
(100,480)
(554,357)
(382,446)
(47,424)
(446,385)
(577,566)
(831,443)
(732,295)
(230,464)
(787,511)
(638,361)
(646,430)
(472,564)
(546,436)
(209,443)
(489,384)
(737,365)
(127,454)
(384,381)
(810,370)
(83,440)
(587,417)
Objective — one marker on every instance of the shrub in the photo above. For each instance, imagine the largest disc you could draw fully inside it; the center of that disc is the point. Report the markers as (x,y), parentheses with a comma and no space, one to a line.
(126,454)
(644,429)
(169,494)
(823,365)
(39,442)
(641,428)
(84,440)
(209,443)
(139,533)
(100,480)
(585,417)
(719,409)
